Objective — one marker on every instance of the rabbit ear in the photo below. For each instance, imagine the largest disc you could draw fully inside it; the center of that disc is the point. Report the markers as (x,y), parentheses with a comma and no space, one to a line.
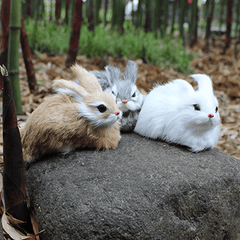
(204,82)
(131,71)
(103,78)
(114,72)
(86,79)
(70,88)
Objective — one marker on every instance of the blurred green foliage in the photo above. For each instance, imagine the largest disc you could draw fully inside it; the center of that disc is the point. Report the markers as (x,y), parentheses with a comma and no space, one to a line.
(134,43)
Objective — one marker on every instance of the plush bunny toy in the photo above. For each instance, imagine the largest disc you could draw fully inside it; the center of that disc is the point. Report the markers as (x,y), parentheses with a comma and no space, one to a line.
(175,112)
(78,115)
(125,92)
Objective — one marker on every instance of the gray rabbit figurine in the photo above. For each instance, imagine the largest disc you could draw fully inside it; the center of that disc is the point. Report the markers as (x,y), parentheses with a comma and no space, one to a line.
(124,91)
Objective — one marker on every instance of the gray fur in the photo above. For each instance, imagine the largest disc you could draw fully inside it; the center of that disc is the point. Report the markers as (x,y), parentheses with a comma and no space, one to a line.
(114,72)
(131,71)
(104,79)
(122,89)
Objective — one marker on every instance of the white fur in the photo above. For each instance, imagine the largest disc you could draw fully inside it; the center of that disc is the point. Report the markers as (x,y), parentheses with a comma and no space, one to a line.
(76,95)
(95,117)
(168,113)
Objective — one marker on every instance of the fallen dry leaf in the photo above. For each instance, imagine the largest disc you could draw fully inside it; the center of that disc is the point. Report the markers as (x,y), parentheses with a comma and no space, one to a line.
(10,230)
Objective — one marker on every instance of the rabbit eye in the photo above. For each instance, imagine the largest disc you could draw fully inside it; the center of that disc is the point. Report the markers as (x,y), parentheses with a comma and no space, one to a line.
(102,108)
(134,95)
(216,109)
(196,107)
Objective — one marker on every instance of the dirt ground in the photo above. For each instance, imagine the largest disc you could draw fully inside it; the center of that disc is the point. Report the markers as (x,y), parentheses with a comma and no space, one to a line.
(224,69)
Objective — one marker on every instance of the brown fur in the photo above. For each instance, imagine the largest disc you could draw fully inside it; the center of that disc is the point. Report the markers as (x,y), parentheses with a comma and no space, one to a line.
(82,74)
(57,124)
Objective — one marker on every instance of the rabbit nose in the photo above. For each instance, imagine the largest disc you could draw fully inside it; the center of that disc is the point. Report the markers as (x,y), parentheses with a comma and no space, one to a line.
(210,115)
(124,101)
(117,112)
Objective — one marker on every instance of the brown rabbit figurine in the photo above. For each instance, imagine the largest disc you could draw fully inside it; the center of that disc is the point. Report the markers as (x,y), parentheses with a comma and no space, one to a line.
(77,116)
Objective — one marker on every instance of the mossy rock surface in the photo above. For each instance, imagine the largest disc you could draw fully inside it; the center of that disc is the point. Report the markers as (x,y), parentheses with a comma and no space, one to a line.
(144,189)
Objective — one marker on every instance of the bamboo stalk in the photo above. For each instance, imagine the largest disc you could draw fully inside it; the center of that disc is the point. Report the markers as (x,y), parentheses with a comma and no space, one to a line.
(97,8)
(173,15)
(28,8)
(229,24)
(13,55)
(27,56)
(139,14)
(148,20)
(57,10)
(222,8)
(114,6)
(90,16)
(209,21)
(105,12)
(75,34)
(181,18)
(156,17)
(122,16)
(237,18)
(66,11)
(165,14)
(14,197)
(193,22)
(5,18)
(133,15)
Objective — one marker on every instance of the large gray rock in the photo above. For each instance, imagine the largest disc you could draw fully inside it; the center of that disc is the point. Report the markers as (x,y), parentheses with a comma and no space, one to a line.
(145,189)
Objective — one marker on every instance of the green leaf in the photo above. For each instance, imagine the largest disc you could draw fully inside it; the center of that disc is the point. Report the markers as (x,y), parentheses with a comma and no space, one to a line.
(3,70)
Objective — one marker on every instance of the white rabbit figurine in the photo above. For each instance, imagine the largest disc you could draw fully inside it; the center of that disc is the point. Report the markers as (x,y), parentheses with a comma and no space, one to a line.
(176,113)
(125,92)
(78,115)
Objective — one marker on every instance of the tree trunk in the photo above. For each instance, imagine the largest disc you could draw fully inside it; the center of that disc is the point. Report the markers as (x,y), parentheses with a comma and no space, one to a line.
(34,8)
(209,21)
(122,16)
(229,24)
(90,16)
(13,55)
(165,13)
(57,10)
(156,16)
(97,8)
(105,12)
(181,18)
(173,15)
(28,8)
(75,34)
(41,9)
(67,10)
(196,27)
(193,23)
(237,17)
(27,56)
(139,14)
(222,10)
(148,19)
(114,13)
(133,14)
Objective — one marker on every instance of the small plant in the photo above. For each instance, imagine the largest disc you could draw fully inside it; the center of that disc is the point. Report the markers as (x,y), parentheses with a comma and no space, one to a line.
(47,36)
(167,52)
